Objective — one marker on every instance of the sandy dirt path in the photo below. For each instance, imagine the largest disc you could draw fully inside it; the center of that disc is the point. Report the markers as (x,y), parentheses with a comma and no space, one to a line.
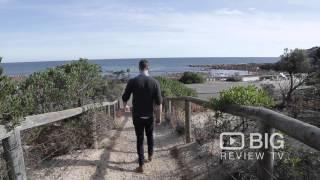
(117,159)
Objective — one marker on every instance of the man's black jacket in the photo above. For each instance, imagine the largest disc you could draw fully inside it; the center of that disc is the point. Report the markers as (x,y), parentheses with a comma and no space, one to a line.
(146,92)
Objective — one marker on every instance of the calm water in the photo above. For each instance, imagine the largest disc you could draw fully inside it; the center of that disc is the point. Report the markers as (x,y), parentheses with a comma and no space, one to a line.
(158,65)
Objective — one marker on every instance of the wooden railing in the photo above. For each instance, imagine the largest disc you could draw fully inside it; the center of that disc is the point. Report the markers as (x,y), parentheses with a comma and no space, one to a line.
(11,140)
(270,120)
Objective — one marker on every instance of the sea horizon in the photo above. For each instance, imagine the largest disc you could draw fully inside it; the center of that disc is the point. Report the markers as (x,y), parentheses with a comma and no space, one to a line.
(106,59)
(158,65)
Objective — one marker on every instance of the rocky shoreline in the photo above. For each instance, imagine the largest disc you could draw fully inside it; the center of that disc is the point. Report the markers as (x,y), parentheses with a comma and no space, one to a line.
(251,67)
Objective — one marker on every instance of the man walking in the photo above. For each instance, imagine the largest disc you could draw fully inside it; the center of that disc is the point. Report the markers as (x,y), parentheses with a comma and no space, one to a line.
(146,95)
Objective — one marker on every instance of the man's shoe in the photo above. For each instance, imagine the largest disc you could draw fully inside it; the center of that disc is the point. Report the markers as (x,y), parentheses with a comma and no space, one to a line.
(150,158)
(139,169)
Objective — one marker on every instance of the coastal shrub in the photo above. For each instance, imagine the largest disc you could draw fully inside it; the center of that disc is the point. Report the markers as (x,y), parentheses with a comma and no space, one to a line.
(62,87)
(4,92)
(12,102)
(173,88)
(67,86)
(241,95)
(234,79)
(122,76)
(191,78)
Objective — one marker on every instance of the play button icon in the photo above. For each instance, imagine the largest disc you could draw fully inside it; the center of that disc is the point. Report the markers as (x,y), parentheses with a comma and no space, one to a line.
(235,141)
(232,141)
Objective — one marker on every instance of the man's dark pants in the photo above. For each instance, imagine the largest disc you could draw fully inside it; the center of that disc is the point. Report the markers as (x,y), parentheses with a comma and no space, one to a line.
(141,125)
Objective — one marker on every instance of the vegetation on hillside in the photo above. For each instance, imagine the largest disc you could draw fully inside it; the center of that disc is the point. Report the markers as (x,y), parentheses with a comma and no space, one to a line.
(302,66)
(294,62)
(191,78)
(11,104)
(241,95)
(173,88)
(62,87)
(66,86)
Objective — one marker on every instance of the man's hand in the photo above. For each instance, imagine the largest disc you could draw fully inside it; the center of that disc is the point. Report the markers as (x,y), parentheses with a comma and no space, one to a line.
(126,108)
(158,114)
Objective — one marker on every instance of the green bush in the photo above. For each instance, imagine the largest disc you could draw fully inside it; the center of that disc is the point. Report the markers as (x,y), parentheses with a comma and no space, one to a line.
(234,79)
(12,102)
(62,87)
(173,88)
(191,78)
(241,95)
(67,86)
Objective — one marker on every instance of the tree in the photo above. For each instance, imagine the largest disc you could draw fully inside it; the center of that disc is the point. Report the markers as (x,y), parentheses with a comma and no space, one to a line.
(1,69)
(298,66)
(314,54)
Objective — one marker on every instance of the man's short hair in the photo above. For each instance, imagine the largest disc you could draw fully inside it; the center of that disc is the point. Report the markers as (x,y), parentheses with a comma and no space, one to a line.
(143,64)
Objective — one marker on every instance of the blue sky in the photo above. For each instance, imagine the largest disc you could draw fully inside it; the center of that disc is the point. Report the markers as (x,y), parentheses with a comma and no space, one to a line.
(34,30)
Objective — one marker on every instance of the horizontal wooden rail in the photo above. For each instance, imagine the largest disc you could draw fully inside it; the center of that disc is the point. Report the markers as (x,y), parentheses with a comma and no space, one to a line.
(268,119)
(194,100)
(42,119)
(304,132)
(307,133)
(46,118)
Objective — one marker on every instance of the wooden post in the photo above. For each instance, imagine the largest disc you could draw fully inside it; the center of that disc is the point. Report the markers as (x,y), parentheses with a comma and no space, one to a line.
(265,165)
(109,110)
(188,121)
(13,155)
(119,105)
(165,106)
(94,131)
(114,111)
(169,106)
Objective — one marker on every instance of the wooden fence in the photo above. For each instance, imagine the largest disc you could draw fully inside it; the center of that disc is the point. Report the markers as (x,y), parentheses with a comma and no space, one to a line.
(270,120)
(11,140)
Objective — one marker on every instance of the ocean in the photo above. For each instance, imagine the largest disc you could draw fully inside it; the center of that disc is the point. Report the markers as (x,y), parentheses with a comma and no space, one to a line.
(157,65)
